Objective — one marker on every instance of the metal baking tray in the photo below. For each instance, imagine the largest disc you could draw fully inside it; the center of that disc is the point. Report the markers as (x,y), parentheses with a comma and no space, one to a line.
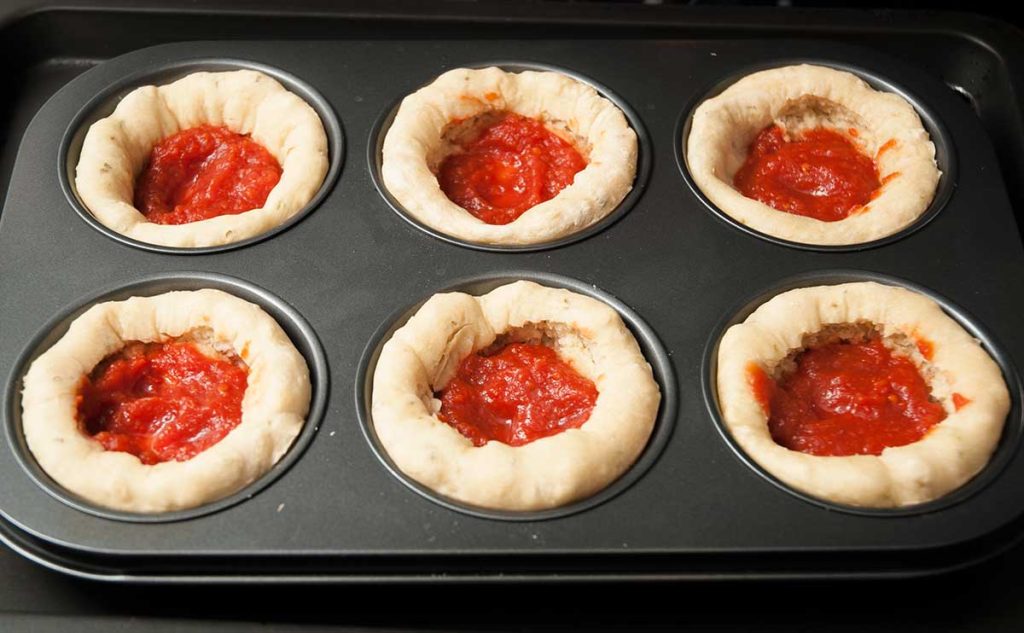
(346,272)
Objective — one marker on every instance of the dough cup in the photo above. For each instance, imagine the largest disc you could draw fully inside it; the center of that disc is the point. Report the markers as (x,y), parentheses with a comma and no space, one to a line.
(284,398)
(113,151)
(497,480)
(884,125)
(946,458)
(419,138)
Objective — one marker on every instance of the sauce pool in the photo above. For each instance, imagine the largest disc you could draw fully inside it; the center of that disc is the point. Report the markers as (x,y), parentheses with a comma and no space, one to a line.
(511,166)
(520,394)
(847,398)
(161,401)
(204,172)
(821,174)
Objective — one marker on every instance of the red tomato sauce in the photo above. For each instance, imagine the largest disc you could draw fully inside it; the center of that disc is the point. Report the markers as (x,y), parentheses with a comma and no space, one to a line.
(204,172)
(510,167)
(926,347)
(960,401)
(520,394)
(821,175)
(161,401)
(847,398)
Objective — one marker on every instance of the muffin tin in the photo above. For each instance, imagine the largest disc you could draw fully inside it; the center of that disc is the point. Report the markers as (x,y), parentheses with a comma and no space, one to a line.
(351,266)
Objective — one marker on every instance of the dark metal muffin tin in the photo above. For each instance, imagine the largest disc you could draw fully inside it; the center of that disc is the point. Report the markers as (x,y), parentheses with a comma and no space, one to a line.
(351,266)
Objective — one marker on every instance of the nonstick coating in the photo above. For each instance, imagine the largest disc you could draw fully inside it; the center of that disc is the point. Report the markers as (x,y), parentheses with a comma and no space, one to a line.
(350,264)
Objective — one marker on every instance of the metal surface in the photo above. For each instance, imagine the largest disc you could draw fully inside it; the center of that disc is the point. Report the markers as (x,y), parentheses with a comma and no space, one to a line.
(352,262)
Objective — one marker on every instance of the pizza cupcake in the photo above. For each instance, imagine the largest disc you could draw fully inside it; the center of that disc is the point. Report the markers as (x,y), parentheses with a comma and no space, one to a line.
(502,158)
(211,159)
(861,394)
(813,155)
(163,403)
(525,398)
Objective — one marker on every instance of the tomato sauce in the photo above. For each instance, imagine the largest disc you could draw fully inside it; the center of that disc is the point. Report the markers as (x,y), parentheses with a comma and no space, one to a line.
(520,394)
(204,172)
(926,347)
(511,166)
(960,401)
(161,401)
(847,398)
(820,175)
